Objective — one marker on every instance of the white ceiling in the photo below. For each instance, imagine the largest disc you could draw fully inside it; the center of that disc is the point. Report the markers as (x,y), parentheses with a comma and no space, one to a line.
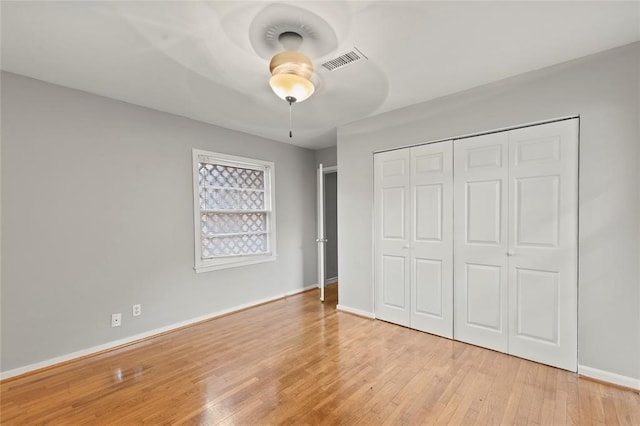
(205,60)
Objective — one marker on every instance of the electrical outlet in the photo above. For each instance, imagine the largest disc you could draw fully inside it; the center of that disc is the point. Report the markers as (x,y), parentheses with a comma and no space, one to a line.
(116,320)
(137,310)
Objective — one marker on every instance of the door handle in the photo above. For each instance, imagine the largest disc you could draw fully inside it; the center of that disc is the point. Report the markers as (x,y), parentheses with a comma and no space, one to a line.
(406,247)
(511,253)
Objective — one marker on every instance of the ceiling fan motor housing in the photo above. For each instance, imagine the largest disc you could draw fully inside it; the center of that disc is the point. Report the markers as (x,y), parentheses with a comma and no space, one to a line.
(289,62)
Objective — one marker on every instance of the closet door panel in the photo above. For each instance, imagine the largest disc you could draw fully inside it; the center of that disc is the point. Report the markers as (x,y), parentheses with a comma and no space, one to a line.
(428,300)
(393,281)
(536,205)
(393,202)
(392,227)
(484,212)
(483,289)
(428,211)
(432,238)
(543,243)
(480,262)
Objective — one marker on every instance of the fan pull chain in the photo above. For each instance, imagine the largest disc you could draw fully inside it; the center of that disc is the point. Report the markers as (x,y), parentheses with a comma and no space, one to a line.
(290,121)
(291,101)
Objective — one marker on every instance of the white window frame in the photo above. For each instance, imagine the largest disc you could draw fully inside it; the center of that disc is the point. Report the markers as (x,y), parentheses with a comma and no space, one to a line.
(205,265)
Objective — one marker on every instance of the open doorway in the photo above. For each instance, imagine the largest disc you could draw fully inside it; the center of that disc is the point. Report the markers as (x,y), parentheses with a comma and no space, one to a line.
(331,227)
(328,233)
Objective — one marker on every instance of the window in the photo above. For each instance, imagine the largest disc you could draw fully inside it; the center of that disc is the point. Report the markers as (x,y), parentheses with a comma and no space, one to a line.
(234,213)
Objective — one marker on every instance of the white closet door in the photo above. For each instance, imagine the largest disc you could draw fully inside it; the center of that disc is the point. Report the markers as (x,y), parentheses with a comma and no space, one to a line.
(432,238)
(543,208)
(480,242)
(392,252)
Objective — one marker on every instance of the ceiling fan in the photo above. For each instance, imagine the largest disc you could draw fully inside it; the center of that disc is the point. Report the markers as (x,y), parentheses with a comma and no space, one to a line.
(229,47)
(291,72)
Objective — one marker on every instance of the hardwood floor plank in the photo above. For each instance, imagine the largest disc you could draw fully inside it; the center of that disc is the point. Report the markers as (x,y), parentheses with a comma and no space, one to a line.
(297,361)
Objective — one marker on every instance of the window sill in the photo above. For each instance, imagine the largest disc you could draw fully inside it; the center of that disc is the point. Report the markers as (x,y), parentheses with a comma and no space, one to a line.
(232,263)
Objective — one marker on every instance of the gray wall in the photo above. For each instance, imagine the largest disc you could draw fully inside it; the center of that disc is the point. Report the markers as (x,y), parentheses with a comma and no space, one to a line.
(97,214)
(331,224)
(327,156)
(604,90)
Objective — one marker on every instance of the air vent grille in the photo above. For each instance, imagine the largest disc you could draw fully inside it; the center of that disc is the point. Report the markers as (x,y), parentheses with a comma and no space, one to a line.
(344,60)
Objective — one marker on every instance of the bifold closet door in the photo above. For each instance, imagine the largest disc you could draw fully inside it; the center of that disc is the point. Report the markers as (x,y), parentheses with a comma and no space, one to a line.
(515,226)
(480,247)
(392,222)
(432,238)
(414,237)
(543,234)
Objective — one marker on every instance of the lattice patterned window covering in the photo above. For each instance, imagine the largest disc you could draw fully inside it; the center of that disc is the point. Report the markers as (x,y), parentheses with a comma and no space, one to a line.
(233,212)
(234,216)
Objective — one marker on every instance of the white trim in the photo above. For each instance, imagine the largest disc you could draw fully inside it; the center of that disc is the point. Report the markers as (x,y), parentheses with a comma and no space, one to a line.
(373,233)
(330,169)
(356,311)
(244,162)
(607,376)
(132,339)
(236,262)
(298,291)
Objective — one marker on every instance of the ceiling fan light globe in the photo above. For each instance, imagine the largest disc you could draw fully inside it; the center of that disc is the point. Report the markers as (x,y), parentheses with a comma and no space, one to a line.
(291,85)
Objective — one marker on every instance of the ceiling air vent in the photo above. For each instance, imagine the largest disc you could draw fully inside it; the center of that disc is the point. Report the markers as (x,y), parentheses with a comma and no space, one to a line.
(344,60)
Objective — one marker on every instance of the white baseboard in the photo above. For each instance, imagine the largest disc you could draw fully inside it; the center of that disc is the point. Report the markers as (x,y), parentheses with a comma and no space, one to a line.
(131,339)
(609,377)
(356,311)
(291,293)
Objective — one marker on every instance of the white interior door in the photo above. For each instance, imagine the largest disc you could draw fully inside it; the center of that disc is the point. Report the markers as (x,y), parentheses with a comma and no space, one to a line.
(320,239)
(392,252)
(432,238)
(543,212)
(480,223)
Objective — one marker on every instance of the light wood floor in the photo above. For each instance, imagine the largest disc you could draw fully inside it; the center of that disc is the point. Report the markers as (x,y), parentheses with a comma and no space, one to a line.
(296,361)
